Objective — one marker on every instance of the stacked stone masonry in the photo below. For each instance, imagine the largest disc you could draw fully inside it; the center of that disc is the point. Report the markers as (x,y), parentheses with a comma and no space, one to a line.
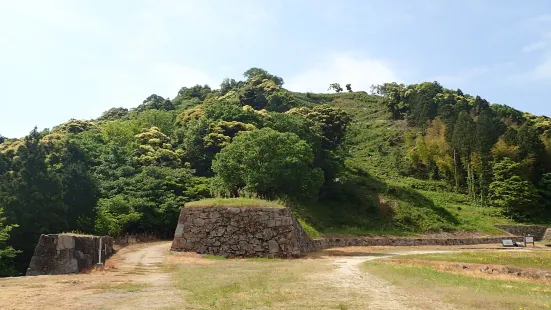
(65,254)
(537,231)
(240,232)
(272,232)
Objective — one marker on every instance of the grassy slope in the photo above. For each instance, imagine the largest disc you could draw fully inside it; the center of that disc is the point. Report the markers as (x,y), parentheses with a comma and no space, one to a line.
(372,197)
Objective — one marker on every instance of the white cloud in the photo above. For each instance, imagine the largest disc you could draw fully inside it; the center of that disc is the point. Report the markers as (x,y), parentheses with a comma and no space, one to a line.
(343,68)
(535,46)
(469,75)
(542,70)
(542,18)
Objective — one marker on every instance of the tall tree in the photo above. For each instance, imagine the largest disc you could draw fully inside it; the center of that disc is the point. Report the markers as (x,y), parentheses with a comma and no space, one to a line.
(511,192)
(463,141)
(80,189)
(7,253)
(32,198)
(488,130)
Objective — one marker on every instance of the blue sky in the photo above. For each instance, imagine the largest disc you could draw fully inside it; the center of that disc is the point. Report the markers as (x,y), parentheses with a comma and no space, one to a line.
(62,59)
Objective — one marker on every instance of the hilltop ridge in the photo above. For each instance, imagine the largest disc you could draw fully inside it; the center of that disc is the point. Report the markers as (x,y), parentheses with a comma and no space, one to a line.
(404,159)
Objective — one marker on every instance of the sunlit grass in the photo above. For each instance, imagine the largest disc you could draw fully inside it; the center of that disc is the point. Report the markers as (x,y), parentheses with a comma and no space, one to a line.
(540,259)
(234,203)
(464,291)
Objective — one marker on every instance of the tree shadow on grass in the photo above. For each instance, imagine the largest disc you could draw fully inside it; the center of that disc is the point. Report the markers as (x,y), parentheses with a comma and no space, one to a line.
(340,253)
(417,204)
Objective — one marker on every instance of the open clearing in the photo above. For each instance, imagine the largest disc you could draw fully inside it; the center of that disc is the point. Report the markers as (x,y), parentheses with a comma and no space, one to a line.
(149,276)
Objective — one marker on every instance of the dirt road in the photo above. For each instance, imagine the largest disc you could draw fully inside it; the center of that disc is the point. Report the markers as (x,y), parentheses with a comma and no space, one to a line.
(142,277)
(383,294)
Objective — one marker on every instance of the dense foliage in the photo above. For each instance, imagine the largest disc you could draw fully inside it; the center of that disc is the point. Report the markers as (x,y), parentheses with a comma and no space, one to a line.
(499,155)
(340,160)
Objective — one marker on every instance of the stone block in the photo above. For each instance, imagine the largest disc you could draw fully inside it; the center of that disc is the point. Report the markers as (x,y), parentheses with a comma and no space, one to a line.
(64,254)
(65,242)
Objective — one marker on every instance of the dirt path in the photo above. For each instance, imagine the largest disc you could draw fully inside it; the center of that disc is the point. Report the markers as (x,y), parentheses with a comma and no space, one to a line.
(150,286)
(383,294)
(140,277)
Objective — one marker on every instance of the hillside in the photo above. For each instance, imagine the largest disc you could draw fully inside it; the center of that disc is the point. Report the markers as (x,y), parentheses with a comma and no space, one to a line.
(406,160)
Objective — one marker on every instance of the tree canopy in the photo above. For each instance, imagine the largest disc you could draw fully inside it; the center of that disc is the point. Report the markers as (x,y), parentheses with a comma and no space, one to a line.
(130,170)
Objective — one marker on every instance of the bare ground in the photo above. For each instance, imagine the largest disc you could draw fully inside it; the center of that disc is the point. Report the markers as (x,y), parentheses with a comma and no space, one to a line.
(383,295)
(134,278)
(141,277)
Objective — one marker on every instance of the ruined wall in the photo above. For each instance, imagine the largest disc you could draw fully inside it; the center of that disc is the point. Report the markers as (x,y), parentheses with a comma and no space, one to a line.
(325,243)
(65,253)
(534,230)
(269,232)
(547,235)
(240,232)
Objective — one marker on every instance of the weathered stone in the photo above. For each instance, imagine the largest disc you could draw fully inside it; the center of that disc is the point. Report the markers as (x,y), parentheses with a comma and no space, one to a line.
(64,254)
(65,242)
(179,230)
(265,232)
(249,232)
(273,247)
(547,235)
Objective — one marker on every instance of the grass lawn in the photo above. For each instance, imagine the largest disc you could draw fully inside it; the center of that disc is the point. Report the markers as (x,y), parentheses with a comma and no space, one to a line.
(234,203)
(523,259)
(466,292)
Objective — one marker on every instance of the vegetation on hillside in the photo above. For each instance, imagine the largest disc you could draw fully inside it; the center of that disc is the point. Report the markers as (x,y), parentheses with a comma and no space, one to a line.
(411,159)
(234,203)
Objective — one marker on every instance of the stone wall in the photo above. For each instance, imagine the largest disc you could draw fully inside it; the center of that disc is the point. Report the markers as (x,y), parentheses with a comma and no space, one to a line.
(65,253)
(240,232)
(534,230)
(547,235)
(269,232)
(325,243)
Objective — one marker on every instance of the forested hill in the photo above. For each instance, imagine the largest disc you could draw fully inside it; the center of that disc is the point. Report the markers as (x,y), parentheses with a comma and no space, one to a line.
(406,159)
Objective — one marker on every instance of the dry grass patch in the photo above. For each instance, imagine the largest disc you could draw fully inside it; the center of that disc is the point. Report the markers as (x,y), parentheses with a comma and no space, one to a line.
(277,284)
(128,287)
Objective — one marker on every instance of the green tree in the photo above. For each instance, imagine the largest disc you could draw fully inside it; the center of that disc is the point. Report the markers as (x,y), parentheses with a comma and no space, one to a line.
(31,196)
(7,253)
(279,166)
(512,193)
(332,121)
(531,147)
(487,132)
(349,87)
(262,74)
(228,85)
(79,187)
(463,143)
(154,148)
(113,114)
(393,98)
(155,102)
(336,87)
